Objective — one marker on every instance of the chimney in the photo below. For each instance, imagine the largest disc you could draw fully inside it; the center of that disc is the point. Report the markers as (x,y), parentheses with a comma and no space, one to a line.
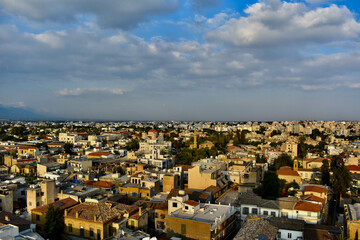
(7,218)
(77,214)
(140,211)
(65,212)
(95,217)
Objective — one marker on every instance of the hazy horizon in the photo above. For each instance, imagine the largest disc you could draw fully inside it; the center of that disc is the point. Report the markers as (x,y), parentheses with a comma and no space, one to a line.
(192,60)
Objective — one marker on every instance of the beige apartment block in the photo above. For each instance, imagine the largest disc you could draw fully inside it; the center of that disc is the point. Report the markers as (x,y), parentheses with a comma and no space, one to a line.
(41,195)
(6,199)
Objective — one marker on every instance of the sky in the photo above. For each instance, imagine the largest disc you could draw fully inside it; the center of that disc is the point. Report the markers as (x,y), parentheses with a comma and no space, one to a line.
(223,60)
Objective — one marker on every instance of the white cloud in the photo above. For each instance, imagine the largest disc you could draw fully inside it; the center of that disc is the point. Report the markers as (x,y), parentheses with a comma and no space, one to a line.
(277,23)
(110,13)
(89,91)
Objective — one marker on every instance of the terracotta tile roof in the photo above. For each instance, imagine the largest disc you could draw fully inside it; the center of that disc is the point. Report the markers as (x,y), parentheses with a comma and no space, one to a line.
(232,148)
(97,212)
(152,131)
(287,172)
(98,154)
(101,184)
(62,204)
(310,197)
(353,168)
(192,203)
(27,147)
(307,206)
(317,189)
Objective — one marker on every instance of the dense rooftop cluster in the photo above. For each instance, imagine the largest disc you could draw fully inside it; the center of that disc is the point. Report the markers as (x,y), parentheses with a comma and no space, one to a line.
(193,180)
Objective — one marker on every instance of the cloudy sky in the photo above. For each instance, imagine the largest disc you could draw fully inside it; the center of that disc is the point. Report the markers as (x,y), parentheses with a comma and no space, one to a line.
(182,59)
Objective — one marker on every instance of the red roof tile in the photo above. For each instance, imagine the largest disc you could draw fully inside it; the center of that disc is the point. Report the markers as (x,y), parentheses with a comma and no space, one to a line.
(192,203)
(317,189)
(307,206)
(62,204)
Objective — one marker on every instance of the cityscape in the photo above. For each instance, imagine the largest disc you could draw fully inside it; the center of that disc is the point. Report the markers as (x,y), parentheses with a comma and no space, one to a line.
(180,180)
(179,120)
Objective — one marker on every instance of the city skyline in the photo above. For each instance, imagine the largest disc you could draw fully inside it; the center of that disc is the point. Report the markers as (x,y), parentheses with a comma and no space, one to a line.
(181,60)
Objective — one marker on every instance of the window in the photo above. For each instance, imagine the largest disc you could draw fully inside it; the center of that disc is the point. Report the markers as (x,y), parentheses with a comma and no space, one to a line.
(91,232)
(37,217)
(174,204)
(37,204)
(183,229)
(245,210)
(266,213)
(70,227)
(254,211)
(98,234)
(289,235)
(186,208)
(30,203)
(0,200)
(273,214)
(22,193)
(309,214)
(279,235)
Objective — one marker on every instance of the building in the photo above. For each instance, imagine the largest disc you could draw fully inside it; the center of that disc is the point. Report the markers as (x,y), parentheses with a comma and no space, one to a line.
(69,137)
(289,175)
(93,220)
(39,195)
(6,199)
(28,151)
(352,220)
(44,168)
(38,215)
(207,173)
(193,220)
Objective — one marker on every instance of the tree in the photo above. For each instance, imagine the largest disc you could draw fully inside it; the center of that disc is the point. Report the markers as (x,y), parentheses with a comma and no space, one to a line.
(341,180)
(270,187)
(261,159)
(54,225)
(325,174)
(68,148)
(133,145)
(283,160)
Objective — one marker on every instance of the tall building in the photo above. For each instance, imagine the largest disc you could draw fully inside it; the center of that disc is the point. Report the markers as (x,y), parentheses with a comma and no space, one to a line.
(41,195)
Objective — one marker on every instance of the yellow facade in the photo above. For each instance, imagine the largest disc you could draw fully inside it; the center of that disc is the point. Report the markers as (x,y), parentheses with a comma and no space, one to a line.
(88,229)
(135,193)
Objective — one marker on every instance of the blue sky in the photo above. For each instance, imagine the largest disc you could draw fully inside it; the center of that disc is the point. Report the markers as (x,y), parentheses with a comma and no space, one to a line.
(182,60)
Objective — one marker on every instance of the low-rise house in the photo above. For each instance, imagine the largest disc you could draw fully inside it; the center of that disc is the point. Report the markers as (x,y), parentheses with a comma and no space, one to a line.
(316,190)
(28,151)
(78,192)
(41,169)
(80,165)
(93,220)
(289,175)
(106,187)
(289,207)
(38,215)
(190,219)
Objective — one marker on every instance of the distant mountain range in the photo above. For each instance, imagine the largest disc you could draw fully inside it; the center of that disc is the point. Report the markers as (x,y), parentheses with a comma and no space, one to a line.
(17,113)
